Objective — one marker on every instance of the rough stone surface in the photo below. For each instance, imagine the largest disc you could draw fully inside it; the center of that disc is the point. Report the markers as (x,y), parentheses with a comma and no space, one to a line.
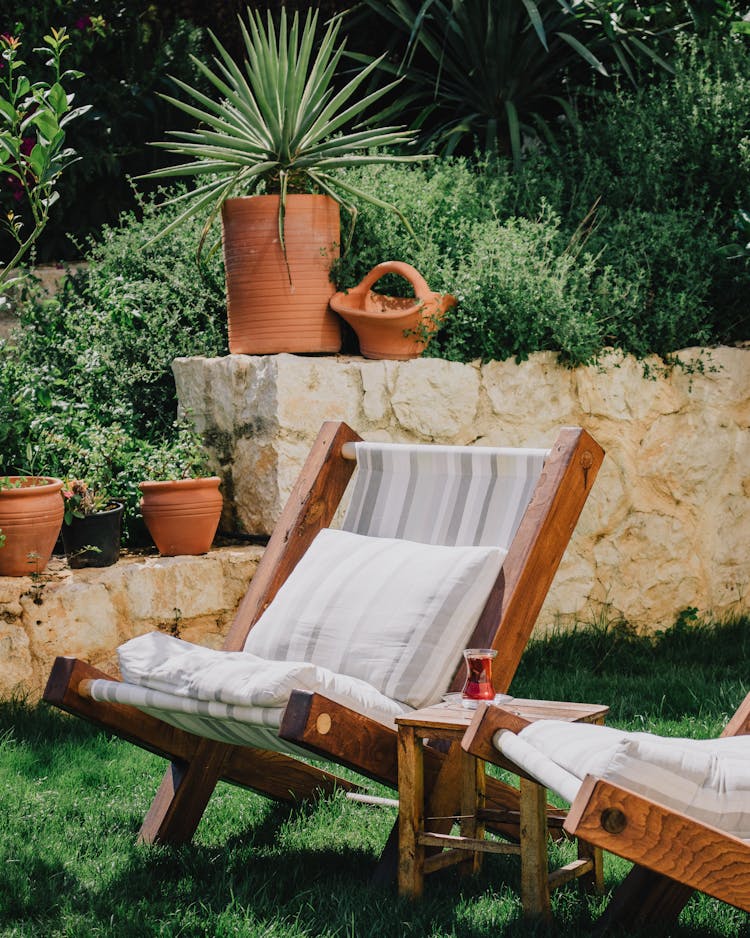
(88,613)
(667,526)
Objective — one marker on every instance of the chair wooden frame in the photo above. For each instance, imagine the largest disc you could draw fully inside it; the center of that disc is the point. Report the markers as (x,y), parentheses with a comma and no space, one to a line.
(673,854)
(312,721)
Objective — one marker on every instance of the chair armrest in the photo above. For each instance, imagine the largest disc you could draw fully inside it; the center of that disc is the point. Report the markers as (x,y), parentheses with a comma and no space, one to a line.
(662,839)
(487,721)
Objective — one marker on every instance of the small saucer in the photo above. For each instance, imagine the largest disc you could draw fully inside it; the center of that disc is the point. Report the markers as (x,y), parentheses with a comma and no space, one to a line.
(457,698)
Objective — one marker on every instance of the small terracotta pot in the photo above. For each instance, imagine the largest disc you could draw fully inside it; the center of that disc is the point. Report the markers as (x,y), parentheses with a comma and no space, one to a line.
(30,518)
(100,531)
(266,312)
(392,326)
(182,516)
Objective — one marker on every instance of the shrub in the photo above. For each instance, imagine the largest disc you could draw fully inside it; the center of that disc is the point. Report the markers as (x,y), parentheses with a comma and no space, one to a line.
(520,289)
(127,52)
(678,152)
(638,280)
(86,385)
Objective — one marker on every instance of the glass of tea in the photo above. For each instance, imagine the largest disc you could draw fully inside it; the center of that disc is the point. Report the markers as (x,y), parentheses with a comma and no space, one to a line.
(478,685)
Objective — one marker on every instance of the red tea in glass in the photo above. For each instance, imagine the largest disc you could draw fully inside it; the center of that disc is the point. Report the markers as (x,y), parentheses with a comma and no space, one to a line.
(478,684)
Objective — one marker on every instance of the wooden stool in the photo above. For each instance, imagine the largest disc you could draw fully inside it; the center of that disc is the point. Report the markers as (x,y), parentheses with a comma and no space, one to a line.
(448,722)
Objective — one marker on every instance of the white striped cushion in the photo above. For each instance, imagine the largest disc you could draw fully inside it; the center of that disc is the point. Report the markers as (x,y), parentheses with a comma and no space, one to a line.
(708,780)
(442,494)
(710,786)
(169,665)
(394,613)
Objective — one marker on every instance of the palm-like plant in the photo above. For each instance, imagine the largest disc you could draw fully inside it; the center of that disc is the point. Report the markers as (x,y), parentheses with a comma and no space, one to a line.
(487,70)
(279,124)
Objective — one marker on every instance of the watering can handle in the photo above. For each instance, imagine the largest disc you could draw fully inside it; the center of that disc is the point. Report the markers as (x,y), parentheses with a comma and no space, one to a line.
(421,290)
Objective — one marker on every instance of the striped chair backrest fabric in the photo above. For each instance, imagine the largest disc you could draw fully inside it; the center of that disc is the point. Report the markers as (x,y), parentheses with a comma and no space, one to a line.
(450,495)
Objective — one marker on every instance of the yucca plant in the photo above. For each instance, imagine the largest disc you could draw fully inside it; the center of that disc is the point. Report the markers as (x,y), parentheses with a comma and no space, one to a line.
(279,124)
(483,72)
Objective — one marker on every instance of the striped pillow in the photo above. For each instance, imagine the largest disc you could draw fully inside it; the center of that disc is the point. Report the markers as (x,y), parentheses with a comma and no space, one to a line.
(394,613)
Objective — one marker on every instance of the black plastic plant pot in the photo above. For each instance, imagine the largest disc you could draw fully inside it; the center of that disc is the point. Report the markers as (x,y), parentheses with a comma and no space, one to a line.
(94,541)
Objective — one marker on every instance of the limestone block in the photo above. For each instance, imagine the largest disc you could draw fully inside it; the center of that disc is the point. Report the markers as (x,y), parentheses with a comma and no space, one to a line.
(436,400)
(647,570)
(312,390)
(88,613)
(616,389)
(164,588)
(224,395)
(689,457)
(530,401)
(724,376)
(75,616)
(16,673)
(376,397)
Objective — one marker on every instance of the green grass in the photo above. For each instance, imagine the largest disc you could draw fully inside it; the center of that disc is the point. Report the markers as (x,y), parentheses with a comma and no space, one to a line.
(72,801)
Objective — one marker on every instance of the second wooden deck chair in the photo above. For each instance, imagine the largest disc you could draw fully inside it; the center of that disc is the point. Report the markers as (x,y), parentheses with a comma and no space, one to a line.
(678,808)
(352,626)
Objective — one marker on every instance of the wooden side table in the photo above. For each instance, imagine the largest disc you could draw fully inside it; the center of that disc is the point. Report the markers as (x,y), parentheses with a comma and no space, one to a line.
(449,722)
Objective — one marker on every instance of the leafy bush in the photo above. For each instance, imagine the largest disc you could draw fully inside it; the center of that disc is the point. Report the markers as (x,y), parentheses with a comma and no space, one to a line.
(127,52)
(670,162)
(484,72)
(530,278)
(647,190)
(85,386)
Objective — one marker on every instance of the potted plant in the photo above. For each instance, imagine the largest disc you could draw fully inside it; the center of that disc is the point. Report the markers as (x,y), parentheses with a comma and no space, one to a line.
(92,524)
(181,504)
(31,514)
(267,152)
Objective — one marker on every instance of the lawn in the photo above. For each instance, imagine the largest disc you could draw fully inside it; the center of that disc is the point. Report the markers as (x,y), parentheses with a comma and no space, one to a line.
(73,800)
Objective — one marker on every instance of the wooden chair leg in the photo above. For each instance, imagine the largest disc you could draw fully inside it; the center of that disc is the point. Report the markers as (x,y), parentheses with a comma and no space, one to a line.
(182,797)
(411,814)
(593,881)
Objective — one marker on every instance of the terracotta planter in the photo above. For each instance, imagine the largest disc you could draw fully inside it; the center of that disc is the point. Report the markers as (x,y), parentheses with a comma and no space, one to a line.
(268,314)
(100,531)
(182,516)
(30,518)
(392,326)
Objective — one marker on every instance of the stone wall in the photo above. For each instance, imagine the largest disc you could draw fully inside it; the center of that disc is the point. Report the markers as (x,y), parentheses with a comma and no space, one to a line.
(668,523)
(88,613)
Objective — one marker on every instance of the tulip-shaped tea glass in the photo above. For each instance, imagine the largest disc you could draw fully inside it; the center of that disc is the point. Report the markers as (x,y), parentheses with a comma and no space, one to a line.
(478,684)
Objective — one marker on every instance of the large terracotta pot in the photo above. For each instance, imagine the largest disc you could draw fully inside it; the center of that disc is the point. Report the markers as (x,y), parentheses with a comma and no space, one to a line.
(392,326)
(30,518)
(182,516)
(94,541)
(268,314)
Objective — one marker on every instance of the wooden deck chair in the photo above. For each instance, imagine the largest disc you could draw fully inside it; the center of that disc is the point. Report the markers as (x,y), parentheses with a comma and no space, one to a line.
(679,809)
(204,749)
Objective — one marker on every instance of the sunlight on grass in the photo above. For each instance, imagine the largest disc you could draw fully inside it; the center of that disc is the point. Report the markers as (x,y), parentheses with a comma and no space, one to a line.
(73,800)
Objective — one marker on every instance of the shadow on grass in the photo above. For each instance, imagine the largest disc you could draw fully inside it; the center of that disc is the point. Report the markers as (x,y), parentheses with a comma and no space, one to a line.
(74,797)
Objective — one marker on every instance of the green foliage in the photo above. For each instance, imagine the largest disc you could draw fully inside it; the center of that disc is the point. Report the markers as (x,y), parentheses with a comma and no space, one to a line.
(670,163)
(280,124)
(641,281)
(74,797)
(127,52)
(86,384)
(625,234)
(34,116)
(485,72)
